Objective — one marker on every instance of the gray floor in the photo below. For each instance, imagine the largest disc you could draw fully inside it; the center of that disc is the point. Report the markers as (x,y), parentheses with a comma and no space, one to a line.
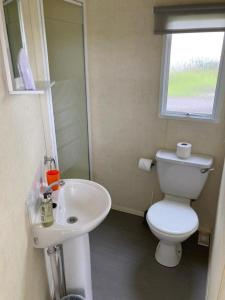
(124,268)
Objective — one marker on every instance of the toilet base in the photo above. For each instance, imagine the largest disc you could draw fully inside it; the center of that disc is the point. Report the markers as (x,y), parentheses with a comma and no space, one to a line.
(168,255)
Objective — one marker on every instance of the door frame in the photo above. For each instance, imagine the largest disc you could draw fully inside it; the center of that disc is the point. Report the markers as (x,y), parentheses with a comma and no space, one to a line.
(51,137)
(215,289)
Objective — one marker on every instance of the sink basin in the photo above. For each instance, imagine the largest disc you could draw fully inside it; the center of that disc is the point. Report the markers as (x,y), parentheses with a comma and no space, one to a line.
(81,206)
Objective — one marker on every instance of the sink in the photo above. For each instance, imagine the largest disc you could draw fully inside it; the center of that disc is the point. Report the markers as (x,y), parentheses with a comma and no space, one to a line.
(81,206)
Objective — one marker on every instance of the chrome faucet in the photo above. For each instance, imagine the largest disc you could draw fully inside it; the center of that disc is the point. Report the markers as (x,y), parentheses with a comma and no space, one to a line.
(49,160)
(48,189)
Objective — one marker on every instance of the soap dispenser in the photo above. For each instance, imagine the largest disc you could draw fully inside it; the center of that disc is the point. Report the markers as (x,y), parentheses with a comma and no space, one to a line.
(47,218)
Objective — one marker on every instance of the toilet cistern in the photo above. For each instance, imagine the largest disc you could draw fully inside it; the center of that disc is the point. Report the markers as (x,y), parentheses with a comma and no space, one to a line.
(172,220)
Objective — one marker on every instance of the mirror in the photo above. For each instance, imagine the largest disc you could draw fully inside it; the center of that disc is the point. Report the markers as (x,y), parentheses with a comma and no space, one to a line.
(13,29)
(12,37)
(13,43)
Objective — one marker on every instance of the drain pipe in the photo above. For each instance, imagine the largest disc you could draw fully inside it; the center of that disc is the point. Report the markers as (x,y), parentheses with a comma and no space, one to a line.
(57,269)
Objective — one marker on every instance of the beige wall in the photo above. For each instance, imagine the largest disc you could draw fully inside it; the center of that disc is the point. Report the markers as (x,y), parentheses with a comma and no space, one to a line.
(222,289)
(216,274)
(22,270)
(22,148)
(124,65)
(124,72)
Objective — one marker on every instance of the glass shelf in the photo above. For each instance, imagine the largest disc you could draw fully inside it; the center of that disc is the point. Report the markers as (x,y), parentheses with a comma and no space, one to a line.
(41,88)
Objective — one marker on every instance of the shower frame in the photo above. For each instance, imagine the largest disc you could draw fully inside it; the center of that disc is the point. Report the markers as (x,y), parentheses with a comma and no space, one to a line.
(49,126)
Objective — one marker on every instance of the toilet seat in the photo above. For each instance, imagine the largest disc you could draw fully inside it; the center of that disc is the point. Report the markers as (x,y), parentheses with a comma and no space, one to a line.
(172,217)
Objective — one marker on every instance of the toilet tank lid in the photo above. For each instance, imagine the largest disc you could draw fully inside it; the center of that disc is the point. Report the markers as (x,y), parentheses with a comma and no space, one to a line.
(197,160)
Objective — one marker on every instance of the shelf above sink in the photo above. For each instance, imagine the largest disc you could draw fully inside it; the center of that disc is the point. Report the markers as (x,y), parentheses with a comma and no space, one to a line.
(41,88)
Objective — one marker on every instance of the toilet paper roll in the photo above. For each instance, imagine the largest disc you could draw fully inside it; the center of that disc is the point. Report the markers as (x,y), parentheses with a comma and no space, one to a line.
(145,164)
(183,150)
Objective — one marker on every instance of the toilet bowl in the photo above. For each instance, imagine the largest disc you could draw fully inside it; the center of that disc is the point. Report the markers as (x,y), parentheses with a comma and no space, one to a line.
(172,221)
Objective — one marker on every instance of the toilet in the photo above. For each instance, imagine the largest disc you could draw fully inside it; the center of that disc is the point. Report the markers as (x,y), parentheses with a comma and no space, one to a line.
(172,220)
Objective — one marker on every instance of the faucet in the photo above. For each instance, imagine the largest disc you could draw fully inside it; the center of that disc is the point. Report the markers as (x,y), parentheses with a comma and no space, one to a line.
(48,189)
(49,160)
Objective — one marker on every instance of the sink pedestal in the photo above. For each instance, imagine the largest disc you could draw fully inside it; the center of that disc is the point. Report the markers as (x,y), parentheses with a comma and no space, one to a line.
(81,206)
(77,266)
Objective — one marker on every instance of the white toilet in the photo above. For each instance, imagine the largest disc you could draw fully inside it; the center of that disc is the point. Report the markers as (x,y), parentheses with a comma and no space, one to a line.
(172,220)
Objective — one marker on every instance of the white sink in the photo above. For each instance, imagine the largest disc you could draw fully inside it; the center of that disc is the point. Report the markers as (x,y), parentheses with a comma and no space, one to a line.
(85,202)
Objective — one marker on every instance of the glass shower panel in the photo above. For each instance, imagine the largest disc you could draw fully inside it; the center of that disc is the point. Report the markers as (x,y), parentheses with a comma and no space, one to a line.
(65,41)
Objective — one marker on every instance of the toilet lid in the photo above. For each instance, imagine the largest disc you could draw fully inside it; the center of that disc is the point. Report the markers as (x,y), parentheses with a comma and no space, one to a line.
(172,217)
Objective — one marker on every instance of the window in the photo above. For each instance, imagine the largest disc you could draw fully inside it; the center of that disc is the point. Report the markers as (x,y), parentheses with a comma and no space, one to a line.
(192,75)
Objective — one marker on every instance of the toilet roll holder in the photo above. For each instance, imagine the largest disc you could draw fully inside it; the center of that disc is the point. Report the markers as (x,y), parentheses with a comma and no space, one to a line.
(146,164)
(154,162)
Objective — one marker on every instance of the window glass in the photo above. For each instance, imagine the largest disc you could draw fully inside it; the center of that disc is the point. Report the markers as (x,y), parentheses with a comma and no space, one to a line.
(193,72)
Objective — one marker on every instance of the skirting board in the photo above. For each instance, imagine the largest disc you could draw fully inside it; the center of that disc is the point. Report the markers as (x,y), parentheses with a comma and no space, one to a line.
(128,210)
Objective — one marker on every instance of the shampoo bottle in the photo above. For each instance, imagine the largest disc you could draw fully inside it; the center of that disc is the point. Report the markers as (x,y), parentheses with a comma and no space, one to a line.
(47,218)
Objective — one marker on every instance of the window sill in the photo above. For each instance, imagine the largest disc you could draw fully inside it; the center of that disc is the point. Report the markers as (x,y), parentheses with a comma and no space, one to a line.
(189,118)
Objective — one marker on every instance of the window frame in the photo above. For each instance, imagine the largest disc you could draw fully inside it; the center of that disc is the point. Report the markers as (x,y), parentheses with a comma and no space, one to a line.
(219,97)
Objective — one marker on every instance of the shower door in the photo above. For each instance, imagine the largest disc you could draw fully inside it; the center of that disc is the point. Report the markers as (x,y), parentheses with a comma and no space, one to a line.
(65,43)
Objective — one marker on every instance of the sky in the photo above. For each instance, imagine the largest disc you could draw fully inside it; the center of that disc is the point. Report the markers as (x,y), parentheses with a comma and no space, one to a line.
(199,45)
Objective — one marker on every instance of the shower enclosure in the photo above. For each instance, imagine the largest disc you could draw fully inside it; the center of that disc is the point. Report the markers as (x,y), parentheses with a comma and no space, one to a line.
(66,56)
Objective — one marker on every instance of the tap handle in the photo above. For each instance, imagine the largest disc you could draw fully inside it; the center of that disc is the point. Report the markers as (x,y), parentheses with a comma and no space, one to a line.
(50,160)
(47,194)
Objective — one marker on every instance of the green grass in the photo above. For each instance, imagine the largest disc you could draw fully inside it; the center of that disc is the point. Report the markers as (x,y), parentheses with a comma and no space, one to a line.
(192,83)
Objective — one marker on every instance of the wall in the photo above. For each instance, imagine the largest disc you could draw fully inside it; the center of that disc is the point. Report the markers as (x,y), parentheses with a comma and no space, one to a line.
(124,65)
(22,270)
(216,274)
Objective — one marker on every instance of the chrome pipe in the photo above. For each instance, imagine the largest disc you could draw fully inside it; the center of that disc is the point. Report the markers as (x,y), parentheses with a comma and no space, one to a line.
(61,273)
(57,269)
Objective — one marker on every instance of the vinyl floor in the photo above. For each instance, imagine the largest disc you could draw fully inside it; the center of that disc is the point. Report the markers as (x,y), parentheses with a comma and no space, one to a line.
(124,267)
